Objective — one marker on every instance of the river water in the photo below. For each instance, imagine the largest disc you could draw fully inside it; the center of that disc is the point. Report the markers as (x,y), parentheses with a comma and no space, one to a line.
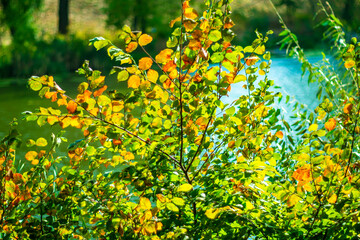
(285,72)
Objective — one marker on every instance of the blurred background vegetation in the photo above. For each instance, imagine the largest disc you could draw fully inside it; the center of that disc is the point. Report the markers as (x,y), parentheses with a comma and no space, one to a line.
(51,36)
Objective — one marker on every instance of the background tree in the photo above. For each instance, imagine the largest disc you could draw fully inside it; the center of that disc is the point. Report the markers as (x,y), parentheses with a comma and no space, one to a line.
(17,16)
(63,16)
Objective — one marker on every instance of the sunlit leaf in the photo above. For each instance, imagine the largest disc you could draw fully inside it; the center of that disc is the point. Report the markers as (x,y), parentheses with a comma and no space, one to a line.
(31,155)
(145,203)
(131,47)
(145,63)
(212,213)
(152,75)
(313,127)
(185,187)
(134,81)
(333,198)
(145,39)
(41,142)
(71,106)
(172,207)
(330,124)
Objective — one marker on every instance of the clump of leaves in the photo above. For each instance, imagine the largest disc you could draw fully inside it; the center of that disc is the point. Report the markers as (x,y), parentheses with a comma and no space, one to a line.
(169,159)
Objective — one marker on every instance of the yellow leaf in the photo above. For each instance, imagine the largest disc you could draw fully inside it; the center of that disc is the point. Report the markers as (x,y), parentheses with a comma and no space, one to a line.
(145,203)
(185,188)
(31,155)
(150,227)
(134,81)
(332,199)
(313,127)
(145,39)
(348,107)
(145,63)
(152,75)
(41,142)
(212,213)
(240,78)
(349,63)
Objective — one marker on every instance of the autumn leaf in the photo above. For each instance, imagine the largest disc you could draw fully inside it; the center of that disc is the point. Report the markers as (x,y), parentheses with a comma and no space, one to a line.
(330,124)
(292,200)
(279,134)
(131,47)
(31,155)
(347,108)
(152,75)
(185,187)
(145,39)
(212,213)
(332,199)
(164,56)
(41,142)
(313,127)
(349,63)
(71,106)
(144,203)
(100,91)
(134,81)
(145,63)
(172,22)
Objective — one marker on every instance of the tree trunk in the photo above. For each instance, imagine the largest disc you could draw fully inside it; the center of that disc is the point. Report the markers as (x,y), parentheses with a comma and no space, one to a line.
(348,12)
(63,16)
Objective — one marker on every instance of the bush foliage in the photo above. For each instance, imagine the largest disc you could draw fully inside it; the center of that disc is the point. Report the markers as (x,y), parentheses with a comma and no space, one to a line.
(169,159)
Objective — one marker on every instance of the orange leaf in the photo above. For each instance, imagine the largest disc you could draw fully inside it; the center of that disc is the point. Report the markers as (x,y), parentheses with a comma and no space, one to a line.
(145,63)
(131,47)
(170,66)
(152,75)
(71,106)
(52,119)
(134,81)
(145,39)
(52,95)
(190,13)
(279,134)
(100,91)
(172,22)
(330,124)
(231,144)
(302,174)
(251,60)
(164,56)
(348,107)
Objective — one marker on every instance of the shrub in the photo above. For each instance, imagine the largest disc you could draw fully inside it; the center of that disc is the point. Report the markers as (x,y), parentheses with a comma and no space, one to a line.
(168,159)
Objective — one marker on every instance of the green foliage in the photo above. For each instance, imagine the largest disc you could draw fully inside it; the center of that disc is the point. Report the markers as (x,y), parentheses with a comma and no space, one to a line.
(169,159)
(17,17)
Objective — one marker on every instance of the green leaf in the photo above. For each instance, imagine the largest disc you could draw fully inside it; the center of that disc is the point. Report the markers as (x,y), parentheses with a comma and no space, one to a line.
(172,207)
(123,76)
(215,35)
(178,201)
